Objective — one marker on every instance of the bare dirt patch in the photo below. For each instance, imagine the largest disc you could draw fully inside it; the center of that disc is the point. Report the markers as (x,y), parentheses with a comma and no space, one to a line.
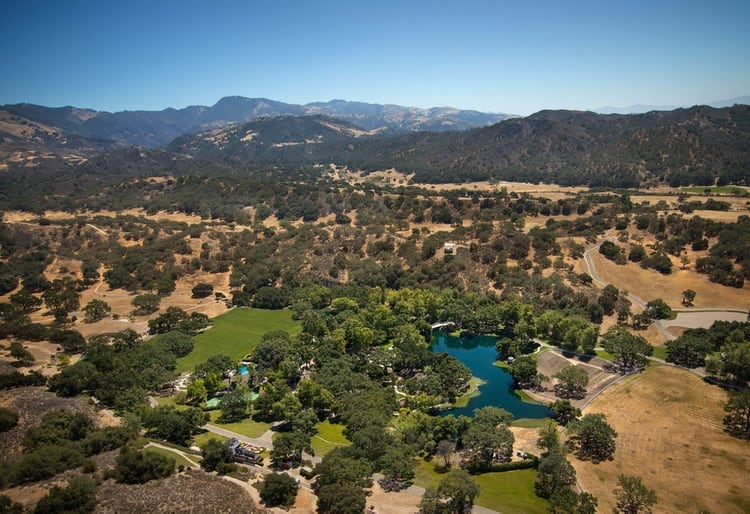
(670,434)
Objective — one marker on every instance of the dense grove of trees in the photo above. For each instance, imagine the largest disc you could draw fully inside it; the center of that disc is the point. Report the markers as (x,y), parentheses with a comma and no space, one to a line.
(365,292)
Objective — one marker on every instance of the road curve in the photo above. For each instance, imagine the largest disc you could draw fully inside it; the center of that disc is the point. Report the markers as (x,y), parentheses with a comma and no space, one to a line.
(686,317)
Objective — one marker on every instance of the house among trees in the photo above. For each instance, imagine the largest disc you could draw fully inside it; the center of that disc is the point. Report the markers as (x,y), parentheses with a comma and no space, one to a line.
(243,452)
(449,248)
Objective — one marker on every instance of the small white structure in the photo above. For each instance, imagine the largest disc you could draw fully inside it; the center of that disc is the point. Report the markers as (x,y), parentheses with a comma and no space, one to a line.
(449,247)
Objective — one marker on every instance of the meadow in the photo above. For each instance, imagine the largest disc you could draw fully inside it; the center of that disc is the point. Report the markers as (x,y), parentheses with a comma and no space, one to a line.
(236,333)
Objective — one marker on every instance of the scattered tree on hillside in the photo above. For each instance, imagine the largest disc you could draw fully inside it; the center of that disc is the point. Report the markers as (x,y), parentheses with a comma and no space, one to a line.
(78,496)
(688,296)
(564,412)
(737,420)
(202,290)
(593,438)
(632,496)
(22,355)
(658,309)
(96,310)
(8,419)
(146,304)
(138,467)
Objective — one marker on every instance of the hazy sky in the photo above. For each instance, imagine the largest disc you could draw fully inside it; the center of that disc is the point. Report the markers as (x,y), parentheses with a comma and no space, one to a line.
(499,55)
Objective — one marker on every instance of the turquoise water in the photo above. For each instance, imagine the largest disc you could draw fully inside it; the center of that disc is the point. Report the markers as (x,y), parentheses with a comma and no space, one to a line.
(243,370)
(479,355)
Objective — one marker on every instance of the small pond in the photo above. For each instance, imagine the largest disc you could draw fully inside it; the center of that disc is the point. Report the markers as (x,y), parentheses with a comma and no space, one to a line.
(479,354)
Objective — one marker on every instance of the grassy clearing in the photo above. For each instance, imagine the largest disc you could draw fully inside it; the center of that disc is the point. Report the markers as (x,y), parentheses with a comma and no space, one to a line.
(201,439)
(660,352)
(236,334)
(717,190)
(530,422)
(507,492)
(329,436)
(425,474)
(605,355)
(510,492)
(246,427)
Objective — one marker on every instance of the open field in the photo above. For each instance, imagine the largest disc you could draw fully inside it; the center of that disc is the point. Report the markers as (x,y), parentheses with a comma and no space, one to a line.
(650,284)
(236,334)
(246,427)
(329,436)
(670,434)
(510,492)
(507,492)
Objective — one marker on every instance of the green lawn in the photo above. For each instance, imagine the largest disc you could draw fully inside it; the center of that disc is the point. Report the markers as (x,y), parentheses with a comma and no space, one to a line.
(246,427)
(660,352)
(507,492)
(530,422)
(329,436)
(510,492)
(178,459)
(236,334)
(720,190)
(605,355)
(201,439)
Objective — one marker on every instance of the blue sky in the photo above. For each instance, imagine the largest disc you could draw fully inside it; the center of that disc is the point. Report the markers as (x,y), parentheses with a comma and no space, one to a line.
(501,56)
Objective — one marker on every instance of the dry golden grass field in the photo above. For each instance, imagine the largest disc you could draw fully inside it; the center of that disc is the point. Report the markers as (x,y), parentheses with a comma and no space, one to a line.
(670,433)
(650,284)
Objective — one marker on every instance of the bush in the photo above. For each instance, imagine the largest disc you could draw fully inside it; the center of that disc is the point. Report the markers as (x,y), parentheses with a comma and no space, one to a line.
(78,497)
(134,467)
(8,419)
(278,489)
(202,290)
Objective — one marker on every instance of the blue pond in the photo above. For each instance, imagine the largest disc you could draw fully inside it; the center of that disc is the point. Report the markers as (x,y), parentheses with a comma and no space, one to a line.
(243,370)
(479,354)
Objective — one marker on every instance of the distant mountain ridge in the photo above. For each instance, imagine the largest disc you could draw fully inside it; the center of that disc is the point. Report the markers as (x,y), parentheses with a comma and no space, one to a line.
(643,108)
(157,128)
(699,145)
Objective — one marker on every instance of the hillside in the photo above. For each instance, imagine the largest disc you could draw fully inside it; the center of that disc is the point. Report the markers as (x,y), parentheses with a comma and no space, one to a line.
(157,128)
(700,145)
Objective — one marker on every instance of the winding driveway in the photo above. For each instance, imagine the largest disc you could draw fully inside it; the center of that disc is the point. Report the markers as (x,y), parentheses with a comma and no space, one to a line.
(688,318)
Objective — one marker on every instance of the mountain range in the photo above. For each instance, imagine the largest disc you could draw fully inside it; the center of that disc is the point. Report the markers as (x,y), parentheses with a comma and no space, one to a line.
(697,145)
(157,128)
